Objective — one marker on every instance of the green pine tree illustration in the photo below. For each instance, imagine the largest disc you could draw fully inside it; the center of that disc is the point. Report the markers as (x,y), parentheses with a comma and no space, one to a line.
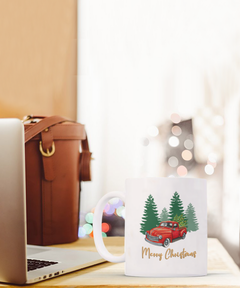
(150,215)
(176,207)
(164,215)
(192,223)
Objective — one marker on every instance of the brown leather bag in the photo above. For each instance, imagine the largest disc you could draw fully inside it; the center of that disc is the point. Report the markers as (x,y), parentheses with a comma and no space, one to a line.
(54,168)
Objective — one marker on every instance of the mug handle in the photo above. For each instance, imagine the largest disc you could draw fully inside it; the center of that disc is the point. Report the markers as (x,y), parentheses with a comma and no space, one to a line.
(97,227)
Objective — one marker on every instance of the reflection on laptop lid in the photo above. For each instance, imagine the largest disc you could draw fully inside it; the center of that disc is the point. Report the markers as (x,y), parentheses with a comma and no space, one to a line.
(43,262)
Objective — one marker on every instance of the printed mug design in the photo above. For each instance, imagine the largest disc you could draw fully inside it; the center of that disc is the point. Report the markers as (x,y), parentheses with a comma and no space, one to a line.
(169,226)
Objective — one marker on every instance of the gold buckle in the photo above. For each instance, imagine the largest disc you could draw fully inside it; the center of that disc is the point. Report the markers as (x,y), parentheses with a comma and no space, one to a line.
(48,153)
(26,118)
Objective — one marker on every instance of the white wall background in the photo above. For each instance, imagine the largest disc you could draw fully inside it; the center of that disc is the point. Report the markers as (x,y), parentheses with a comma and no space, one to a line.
(138,62)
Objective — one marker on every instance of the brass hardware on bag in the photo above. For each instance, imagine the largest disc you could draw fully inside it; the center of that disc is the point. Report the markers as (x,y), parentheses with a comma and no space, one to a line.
(26,118)
(48,153)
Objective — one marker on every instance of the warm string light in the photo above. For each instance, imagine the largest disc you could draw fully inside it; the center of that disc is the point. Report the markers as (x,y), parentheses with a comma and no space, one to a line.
(105,227)
(114,206)
(173,161)
(187,155)
(174,141)
(182,170)
(176,130)
(211,164)
(209,170)
(188,144)
(175,118)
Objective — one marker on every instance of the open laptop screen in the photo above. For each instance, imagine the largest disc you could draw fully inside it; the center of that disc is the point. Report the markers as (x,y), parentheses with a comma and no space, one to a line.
(12,202)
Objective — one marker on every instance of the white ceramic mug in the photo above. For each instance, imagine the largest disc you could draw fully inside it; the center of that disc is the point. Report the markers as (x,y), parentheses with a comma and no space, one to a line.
(165,227)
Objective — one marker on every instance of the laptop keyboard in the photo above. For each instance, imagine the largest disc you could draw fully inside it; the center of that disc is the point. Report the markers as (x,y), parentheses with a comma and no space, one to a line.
(34,264)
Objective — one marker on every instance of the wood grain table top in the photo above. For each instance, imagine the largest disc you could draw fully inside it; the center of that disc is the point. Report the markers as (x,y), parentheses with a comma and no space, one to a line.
(222,271)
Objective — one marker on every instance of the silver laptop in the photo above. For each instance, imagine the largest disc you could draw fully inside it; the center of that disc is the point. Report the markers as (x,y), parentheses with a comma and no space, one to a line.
(21,263)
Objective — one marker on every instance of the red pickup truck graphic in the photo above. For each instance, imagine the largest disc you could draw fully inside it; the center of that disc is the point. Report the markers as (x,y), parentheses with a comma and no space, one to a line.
(165,233)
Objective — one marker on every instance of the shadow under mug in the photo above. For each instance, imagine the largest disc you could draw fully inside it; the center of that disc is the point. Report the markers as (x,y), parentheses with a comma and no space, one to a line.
(165,227)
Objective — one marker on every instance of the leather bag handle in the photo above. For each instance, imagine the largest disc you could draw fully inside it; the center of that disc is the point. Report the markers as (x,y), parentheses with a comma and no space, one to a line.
(47,122)
(85,155)
(42,125)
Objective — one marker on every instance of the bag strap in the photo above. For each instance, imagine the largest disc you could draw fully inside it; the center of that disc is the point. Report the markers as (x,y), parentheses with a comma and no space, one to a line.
(85,161)
(42,125)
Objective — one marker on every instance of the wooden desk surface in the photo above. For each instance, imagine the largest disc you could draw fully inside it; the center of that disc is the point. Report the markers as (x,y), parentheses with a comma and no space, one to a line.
(222,271)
